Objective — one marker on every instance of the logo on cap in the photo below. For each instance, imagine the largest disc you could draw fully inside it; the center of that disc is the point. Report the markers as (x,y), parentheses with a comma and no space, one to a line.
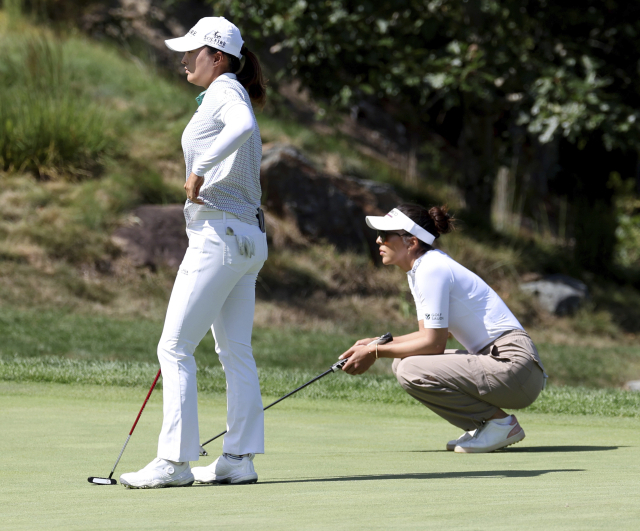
(215,39)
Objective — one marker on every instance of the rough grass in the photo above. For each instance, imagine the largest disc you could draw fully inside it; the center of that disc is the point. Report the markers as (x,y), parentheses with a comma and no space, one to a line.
(87,336)
(278,382)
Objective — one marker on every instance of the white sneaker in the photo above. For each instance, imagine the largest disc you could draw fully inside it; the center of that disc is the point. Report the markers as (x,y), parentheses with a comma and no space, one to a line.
(158,474)
(227,470)
(492,436)
(463,438)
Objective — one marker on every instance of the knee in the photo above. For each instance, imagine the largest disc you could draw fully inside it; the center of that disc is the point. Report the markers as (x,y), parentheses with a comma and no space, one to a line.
(172,349)
(394,366)
(404,374)
(410,375)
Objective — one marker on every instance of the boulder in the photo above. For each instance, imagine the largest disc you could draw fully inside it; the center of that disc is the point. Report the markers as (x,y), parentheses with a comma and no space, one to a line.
(154,235)
(633,385)
(302,206)
(323,207)
(558,294)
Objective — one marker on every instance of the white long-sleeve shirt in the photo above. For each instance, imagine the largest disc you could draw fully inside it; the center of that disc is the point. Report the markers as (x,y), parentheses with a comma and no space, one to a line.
(222,144)
(448,295)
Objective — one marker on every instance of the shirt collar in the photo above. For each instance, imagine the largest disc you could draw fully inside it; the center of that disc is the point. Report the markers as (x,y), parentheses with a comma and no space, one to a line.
(412,271)
(227,75)
(200,96)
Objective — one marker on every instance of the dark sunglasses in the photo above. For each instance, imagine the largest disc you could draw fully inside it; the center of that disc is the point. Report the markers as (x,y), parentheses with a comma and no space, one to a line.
(384,234)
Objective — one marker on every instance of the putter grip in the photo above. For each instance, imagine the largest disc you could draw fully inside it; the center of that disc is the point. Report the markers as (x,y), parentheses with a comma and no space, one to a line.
(382,340)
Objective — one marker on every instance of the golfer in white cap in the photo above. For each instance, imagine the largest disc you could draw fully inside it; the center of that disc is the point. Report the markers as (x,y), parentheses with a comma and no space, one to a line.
(215,286)
(500,368)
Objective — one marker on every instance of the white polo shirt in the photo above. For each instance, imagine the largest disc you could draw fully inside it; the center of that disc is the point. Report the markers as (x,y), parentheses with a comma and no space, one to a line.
(233,185)
(448,295)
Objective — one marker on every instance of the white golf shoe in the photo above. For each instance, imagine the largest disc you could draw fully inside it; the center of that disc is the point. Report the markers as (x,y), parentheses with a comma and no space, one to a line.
(463,438)
(492,435)
(158,474)
(227,469)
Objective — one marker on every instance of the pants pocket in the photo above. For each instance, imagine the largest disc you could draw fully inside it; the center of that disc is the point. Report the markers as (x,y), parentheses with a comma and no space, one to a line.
(192,258)
(476,370)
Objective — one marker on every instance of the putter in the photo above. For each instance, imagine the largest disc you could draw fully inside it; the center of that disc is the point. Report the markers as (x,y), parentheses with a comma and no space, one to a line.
(109,480)
(336,366)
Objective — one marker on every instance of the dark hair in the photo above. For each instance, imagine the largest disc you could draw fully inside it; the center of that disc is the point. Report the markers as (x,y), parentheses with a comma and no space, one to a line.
(249,73)
(436,220)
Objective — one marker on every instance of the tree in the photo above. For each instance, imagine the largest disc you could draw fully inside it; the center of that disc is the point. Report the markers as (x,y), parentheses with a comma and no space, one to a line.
(489,67)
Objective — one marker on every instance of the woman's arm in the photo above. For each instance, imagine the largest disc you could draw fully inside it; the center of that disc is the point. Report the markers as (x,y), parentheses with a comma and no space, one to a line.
(423,342)
(238,127)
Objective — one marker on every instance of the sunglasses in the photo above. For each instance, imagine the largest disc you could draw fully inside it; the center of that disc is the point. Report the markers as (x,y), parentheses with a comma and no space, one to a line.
(384,234)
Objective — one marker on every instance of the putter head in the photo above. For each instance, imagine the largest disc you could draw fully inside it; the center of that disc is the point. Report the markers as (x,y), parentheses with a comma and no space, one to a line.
(203,451)
(102,481)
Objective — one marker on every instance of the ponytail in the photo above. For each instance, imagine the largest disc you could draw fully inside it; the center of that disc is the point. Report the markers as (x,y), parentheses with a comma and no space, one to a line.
(436,220)
(249,74)
(251,78)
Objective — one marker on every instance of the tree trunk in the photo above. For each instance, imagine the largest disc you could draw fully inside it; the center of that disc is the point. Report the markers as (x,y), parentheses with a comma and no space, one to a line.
(478,148)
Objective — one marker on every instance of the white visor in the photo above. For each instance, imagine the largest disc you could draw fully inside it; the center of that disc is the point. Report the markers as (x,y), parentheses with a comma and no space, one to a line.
(396,220)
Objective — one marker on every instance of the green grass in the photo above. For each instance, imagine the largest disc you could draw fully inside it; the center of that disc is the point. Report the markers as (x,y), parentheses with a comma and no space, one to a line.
(328,465)
(66,102)
(82,336)
(371,388)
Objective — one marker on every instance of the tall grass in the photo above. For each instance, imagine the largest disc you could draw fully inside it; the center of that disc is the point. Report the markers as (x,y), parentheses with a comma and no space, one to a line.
(46,122)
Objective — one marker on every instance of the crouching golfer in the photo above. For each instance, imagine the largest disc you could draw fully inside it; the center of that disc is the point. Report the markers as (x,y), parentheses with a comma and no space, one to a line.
(500,368)
(215,286)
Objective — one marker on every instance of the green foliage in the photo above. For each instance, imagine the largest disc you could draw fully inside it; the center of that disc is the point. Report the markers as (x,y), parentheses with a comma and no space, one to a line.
(498,79)
(68,106)
(45,122)
(563,69)
(628,217)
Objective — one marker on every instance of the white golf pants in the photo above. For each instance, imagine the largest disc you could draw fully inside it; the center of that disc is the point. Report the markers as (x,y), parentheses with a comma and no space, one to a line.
(214,288)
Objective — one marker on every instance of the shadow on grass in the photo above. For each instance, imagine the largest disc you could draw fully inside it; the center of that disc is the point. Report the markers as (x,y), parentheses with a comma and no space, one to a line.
(540,449)
(553,449)
(499,474)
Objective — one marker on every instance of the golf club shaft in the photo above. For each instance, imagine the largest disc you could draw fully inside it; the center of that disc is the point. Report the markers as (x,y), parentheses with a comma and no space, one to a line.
(338,365)
(274,403)
(136,422)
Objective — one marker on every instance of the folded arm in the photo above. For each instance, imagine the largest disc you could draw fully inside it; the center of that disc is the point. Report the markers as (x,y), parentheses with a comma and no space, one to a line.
(238,127)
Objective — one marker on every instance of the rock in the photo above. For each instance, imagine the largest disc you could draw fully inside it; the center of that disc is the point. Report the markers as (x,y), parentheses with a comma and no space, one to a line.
(302,206)
(154,236)
(633,385)
(558,294)
(324,207)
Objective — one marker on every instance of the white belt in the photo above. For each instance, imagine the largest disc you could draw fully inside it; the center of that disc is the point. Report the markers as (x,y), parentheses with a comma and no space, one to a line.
(213,214)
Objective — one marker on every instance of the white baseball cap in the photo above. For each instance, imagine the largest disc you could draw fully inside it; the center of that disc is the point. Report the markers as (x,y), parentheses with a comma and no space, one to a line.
(216,32)
(396,220)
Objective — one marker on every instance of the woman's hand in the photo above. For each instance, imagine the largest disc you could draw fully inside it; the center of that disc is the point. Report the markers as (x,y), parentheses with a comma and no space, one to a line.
(192,186)
(365,341)
(361,358)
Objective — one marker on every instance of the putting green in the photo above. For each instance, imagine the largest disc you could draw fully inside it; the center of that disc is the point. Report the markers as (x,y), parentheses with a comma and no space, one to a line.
(329,464)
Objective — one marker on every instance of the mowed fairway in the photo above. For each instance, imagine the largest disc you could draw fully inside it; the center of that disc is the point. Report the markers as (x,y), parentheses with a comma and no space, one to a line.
(329,465)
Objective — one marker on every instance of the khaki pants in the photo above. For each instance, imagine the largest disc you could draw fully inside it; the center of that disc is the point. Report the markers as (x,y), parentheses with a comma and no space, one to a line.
(467,389)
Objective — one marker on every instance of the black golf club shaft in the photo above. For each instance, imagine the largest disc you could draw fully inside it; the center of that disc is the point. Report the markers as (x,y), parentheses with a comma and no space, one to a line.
(338,365)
